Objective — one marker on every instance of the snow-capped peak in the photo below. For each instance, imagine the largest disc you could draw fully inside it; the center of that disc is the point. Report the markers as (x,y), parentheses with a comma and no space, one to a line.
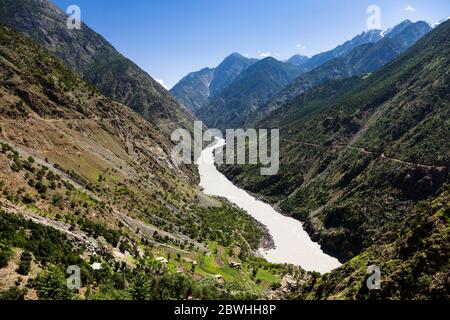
(434,25)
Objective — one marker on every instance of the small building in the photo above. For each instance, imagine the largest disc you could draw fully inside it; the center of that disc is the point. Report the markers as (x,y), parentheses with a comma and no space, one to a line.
(235,265)
(219,278)
(96,266)
(162,260)
(189,260)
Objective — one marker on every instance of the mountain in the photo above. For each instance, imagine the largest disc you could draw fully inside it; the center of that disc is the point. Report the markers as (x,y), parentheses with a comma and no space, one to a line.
(252,88)
(228,71)
(198,88)
(193,91)
(362,60)
(407,33)
(298,60)
(342,50)
(97,61)
(365,166)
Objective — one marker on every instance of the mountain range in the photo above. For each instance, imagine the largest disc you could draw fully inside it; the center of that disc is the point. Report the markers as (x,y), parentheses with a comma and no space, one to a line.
(261,88)
(252,88)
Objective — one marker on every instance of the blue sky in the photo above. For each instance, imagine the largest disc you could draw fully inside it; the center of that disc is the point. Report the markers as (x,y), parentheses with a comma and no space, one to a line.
(170,38)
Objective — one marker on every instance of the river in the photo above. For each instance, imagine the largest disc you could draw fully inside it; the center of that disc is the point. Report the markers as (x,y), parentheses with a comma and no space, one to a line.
(292,243)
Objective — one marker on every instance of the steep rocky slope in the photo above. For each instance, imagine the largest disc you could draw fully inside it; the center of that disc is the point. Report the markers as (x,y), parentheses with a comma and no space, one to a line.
(97,61)
(357,155)
(193,91)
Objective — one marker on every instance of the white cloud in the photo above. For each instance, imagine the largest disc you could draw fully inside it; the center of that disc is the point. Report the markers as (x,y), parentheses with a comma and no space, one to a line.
(300,46)
(161,82)
(246,55)
(434,25)
(411,9)
(265,54)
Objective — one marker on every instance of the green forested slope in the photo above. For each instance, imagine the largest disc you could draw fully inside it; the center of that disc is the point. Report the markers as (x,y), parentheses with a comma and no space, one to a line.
(358,154)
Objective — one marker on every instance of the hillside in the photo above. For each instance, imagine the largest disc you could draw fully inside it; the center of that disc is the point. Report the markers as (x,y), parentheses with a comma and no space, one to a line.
(415,266)
(97,61)
(363,59)
(359,155)
(84,180)
(342,50)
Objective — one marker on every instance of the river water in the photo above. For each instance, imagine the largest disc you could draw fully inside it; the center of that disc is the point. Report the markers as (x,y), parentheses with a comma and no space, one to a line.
(292,244)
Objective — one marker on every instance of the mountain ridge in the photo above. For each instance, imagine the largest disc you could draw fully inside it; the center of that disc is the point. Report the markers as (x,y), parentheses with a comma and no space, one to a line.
(253,87)
(96,60)
(361,60)
(196,93)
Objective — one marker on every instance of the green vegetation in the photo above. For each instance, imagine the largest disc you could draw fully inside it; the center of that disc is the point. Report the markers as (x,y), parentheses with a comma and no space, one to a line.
(415,266)
(227,226)
(51,284)
(25,263)
(46,244)
(350,172)
(5,255)
(362,159)
(13,293)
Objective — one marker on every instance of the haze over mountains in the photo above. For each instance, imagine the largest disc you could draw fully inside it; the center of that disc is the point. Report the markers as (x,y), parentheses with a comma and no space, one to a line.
(297,60)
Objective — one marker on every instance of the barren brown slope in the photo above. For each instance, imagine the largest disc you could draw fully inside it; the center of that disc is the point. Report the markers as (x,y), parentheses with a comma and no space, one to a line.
(66,125)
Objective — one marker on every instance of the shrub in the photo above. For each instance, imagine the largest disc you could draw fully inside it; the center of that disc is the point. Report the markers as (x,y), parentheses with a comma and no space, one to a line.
(13,293)
(27,199)
(25,263)
(56,199)
(5,255)
(51,284)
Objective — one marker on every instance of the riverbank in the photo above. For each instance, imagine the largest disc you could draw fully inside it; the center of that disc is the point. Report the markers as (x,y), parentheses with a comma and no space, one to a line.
(290,242)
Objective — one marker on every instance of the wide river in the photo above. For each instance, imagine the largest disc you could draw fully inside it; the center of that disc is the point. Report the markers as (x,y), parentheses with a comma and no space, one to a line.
(292,244)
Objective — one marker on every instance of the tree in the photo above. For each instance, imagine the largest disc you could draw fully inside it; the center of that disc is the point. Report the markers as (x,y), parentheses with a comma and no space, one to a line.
(25,263)
(51,284)
(5,255)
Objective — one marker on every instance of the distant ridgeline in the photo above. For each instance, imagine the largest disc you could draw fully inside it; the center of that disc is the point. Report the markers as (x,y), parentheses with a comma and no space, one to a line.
(255,88)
